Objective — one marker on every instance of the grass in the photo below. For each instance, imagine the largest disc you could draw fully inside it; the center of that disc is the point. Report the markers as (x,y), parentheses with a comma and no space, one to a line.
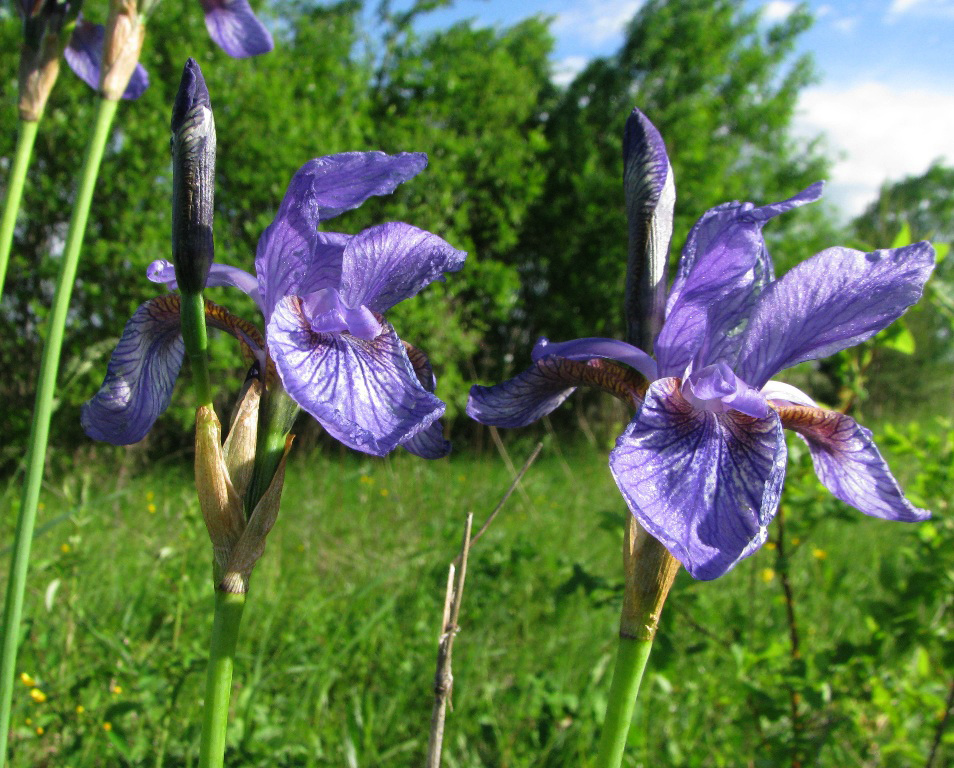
(337,652)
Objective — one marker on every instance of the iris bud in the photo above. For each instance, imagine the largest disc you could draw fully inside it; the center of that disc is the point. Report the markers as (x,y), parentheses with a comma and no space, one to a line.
(193,181)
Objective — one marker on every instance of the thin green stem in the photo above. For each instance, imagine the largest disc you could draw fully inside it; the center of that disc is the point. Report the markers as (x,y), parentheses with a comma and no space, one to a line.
(42,412)
(195,335)
(631,658)
(218,682)
(21,161)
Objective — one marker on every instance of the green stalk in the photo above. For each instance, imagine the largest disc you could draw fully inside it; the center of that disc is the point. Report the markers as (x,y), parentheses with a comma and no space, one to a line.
(631,658)
(218,682)
(196,337)
(42,412)
(21,161)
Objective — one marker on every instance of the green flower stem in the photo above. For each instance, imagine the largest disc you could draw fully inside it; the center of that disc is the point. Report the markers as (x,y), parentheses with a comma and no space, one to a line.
(42,412)
(276,418)
(218,682)
(21,160)
(195,335)
(631,658)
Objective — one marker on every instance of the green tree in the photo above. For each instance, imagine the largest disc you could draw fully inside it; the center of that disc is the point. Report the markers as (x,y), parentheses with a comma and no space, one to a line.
(721,86)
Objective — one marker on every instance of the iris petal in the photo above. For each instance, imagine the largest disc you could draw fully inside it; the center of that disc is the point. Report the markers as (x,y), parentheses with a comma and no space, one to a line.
(140,377)
(849,464)
(724,267)
(234,27)
(84,54)
(705,484)
(163,271)
(834,300)
(429,443)
(293,258)
(385,264)
(586,349)
(364,393)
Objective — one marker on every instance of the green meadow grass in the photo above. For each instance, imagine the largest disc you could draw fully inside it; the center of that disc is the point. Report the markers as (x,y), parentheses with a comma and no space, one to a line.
(337,653)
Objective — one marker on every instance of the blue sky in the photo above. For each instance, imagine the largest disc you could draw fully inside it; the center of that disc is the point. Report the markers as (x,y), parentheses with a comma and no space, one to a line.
(885,100)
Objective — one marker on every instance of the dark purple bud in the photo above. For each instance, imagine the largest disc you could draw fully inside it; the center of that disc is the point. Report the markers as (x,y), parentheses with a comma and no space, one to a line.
(650,200)
(193,181)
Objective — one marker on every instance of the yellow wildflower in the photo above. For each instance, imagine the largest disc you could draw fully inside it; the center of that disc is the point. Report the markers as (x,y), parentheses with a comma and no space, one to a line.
(796,541)
(39,730)
(819,554)
(38,696)
(80,709)
(767,574)
(151,509)
(107,726)
(64,548)
(385,492)
(115,689)
(27,679)
(770,545)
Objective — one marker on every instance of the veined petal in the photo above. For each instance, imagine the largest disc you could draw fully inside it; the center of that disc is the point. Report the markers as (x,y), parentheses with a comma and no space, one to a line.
(849,464)
(429,443)
(84,54)
(163,271)
(140,377)
(724,267)
(705,484)
(533,394)
(293,258)
(364,393)
(834,300)
(388,263)
(650,200)
(587,349)
(234,27)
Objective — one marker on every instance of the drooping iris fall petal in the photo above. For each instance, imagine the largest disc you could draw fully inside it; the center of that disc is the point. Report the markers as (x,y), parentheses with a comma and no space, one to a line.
(234,27)
(705,484)
(140,377)
(849,464)
(365,393)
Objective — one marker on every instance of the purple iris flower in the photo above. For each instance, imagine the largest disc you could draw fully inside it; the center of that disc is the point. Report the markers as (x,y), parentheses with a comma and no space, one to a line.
(323,295)
(702,463)
(231,24)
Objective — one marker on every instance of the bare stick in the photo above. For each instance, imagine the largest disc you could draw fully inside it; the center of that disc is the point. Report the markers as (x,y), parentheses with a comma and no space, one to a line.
(443,677)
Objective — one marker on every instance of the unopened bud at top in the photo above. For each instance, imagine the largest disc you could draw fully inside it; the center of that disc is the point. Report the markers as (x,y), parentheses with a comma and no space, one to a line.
(193,180)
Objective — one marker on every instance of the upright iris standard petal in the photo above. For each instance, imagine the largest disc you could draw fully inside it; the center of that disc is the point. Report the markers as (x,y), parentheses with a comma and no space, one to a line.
(723,269)
(140,377)
(84,54)
(234,27)
(291,251)
(849,464)
(388,263)
(705,484)
(364,393)
(834,300)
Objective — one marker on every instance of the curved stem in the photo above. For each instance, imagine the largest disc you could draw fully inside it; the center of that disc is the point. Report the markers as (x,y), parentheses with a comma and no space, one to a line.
(42,412)
(218,682)
(21,161)
(631,658)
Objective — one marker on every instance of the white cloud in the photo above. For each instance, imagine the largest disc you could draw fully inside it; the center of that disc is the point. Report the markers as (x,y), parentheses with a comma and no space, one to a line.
(845,25)
(943,8)
(565,70)
(778,10)
(597,22)
(879,132)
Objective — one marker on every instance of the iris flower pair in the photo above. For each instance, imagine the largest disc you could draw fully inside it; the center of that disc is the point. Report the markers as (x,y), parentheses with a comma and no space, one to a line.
(702,463)
(322,295)
(231,24)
